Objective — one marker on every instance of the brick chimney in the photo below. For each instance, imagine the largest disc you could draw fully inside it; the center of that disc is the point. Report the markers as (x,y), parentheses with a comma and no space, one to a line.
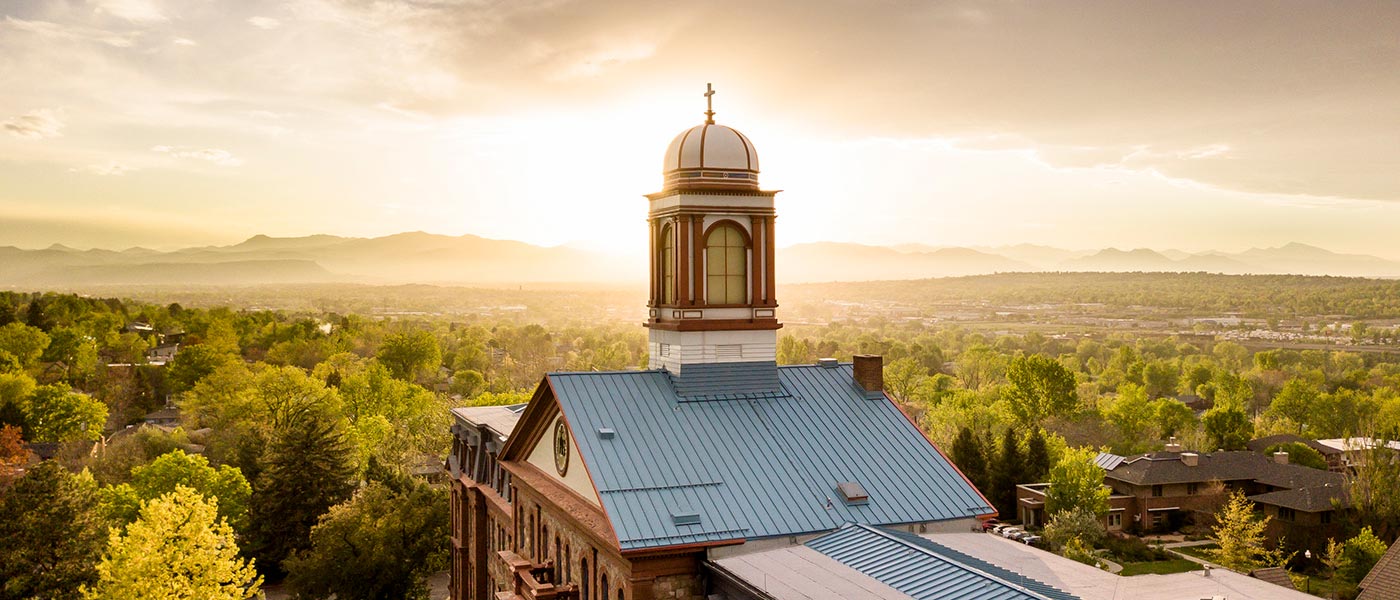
(869,370)
(1190,459)
(1172,445)
(1281,458)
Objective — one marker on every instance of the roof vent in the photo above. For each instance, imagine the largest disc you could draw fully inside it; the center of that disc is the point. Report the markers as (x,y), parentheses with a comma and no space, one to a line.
(606,433)
(685,516)
(828,363)
(853,492)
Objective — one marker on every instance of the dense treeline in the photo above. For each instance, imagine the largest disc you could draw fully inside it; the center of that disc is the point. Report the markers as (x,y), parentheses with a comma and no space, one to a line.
(1199,294)
(300,431)
(301,437)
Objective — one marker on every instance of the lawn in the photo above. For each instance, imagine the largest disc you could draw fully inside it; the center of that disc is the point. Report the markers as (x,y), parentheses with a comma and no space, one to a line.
(1202,552)
(1159,567)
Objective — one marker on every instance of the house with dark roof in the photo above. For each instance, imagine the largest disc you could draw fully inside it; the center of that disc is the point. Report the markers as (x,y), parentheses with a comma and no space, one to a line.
(1383,582)
(1162,491)
(631,485)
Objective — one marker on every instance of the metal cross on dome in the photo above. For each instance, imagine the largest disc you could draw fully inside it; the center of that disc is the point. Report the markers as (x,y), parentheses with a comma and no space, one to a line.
(709,105)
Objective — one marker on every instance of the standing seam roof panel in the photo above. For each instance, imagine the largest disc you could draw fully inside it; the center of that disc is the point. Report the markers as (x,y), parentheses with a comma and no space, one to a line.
(753,468)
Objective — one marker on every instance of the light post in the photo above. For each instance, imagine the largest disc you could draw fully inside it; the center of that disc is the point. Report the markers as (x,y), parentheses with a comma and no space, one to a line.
(1307,577)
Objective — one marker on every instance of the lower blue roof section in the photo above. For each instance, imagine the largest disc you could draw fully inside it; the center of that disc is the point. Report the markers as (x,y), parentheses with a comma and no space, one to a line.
(754,466)
(926,570)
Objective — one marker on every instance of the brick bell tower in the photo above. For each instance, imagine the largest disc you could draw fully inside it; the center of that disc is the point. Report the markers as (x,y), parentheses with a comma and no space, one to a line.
(711,231)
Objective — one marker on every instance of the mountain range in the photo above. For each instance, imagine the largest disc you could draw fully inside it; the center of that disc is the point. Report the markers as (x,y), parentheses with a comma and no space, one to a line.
(428,258)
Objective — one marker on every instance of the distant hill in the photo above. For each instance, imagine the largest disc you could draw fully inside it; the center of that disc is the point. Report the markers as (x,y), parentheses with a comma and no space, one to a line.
(418,257)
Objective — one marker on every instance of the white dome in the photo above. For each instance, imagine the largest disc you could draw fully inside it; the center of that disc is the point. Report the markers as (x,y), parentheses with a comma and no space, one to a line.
(710,155)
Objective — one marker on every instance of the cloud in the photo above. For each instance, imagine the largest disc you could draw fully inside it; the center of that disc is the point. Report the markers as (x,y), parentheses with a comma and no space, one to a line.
(184,42)
(217,156)
(107,169)
(50,31)
(136,11)
(36,124)
(264,22)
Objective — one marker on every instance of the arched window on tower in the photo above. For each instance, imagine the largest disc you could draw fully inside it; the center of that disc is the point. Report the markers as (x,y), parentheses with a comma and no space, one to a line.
(668,265)
(726,264)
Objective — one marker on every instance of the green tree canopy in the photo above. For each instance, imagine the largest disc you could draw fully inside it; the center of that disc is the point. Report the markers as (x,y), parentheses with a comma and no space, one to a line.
(225,484)
(1076,482)
(1239,532)
(308,467)
(53,533)
(381,545)
(25,343)
(58,414)
(1040,387)
(177,549)
(1359,554)
(967,454)
(1228,427)
(194,363)
(410,355)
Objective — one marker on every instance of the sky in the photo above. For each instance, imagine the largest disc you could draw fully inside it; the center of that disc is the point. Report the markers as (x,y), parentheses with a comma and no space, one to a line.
(1184,125)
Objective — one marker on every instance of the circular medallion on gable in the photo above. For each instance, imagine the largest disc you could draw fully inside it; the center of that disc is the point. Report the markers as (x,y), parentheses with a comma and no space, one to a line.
(561,447)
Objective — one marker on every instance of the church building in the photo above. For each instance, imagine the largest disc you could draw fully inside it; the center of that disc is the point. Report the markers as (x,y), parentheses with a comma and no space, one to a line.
(716,473)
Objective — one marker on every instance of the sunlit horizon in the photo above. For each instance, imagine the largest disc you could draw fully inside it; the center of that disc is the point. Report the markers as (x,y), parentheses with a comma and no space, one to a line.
(166,125)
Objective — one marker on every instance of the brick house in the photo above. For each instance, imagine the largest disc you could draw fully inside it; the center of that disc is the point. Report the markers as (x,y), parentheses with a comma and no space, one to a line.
(1161,491)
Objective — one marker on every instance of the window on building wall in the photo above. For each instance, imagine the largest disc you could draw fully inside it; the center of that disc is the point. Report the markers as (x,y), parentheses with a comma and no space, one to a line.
(558,564)
(1156,491)
(668,265)
(1192,488)
(1286,514)
(603,585)
(568,563)
(726,264)
(585,583)
(1115,520)
(619,593)
(1325,517)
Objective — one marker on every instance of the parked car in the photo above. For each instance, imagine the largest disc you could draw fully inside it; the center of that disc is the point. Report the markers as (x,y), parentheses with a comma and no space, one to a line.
(1031,539)
(990,524)
(1011,533)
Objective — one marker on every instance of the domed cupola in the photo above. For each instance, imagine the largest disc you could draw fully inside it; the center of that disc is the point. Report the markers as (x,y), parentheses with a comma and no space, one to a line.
(712,260)
(710,156)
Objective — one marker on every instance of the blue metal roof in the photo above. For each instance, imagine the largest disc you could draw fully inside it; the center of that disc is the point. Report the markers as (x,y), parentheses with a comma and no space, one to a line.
(762,466)
(926,570)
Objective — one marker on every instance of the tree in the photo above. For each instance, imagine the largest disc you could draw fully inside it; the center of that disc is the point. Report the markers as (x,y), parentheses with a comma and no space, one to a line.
(1371,486)
(15,392)
(1172,417)
(1075,481)
(177,468)
(968,456)
(1295,402)
(177,548)
(409,355)
(903,376)
(58,414)
(1131,414)
(1040,387)
(1037,457)
(1240,534)
(1075,523)
(1228,427)
(1359,554)
(53,534)
(13,454)
(381,545)
(308,468)
(23,342)
(194,363)
(1008,471)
